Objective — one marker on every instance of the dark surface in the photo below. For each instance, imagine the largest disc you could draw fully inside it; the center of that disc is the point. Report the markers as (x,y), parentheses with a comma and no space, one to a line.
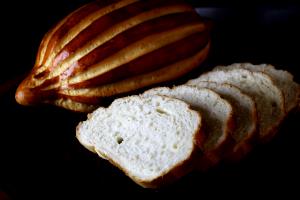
(40,157)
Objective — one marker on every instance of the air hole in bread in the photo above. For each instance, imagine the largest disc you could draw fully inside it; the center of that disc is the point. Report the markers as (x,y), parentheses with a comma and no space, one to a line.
(119,140)
(175,146)
(244,76)
(161,111)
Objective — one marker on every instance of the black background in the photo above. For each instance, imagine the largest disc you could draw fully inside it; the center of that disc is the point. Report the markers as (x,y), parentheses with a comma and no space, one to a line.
(40,157)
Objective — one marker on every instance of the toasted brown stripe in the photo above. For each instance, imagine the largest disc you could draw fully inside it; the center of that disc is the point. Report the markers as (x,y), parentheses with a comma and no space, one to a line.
(73,105)
(105,23)
(134,34)
(48,83)
(74,31)
(130,36)
(48,44)
(155,60)
(168,73)
(72,20)
(48,36)
(137,49)
(80,22)
(110,33)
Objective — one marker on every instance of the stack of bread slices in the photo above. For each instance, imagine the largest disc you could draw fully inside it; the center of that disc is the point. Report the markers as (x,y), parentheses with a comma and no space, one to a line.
(164,133)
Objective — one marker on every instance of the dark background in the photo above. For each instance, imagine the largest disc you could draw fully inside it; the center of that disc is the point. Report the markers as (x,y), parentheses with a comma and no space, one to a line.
(40,157)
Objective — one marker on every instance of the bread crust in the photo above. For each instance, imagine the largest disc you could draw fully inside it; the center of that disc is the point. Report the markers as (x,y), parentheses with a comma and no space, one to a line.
(109,48)
(212,157)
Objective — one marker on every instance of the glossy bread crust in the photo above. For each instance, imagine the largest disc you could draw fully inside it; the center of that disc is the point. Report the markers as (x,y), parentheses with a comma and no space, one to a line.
(108,48)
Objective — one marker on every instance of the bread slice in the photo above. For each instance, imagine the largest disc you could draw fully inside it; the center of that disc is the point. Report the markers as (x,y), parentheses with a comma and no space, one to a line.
(268,98)
(153,140)
(282,79)
(216,114)
(245,116)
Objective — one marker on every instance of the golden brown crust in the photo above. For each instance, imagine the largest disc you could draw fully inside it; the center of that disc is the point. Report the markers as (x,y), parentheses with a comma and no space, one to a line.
(150,62)
(85,50)
(273,129)
(24,95)
(243,147)
(164,74)
(73,105)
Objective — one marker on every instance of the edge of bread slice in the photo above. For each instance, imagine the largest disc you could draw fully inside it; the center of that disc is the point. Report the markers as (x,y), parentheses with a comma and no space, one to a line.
(153,140)
(245,116)
(267,96)
(217,118)
(282,79)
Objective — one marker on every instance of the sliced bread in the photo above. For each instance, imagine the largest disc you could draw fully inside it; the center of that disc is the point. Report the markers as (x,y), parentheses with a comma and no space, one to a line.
(244,111)
(153,140)
(268,98)
(282,79)
(216,115)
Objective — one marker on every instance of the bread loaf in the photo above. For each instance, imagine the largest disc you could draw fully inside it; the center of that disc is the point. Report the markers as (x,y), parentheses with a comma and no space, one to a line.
(112,47)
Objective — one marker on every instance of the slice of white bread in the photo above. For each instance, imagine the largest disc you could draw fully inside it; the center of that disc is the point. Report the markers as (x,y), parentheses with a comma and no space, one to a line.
(152,139)
(245,116)
(282,79)
(216,115)
(268,98)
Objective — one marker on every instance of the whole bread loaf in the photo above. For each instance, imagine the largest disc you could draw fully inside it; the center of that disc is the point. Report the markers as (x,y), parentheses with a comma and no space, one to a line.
(112,47)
